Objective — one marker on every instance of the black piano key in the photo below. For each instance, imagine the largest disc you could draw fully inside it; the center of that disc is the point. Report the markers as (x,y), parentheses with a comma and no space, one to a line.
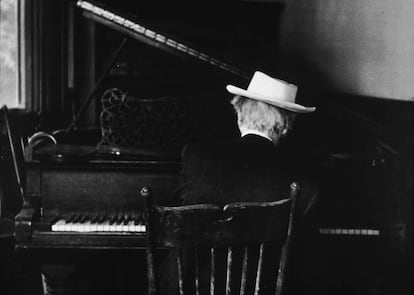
(133,217)
(113,219)
(83,218)
(70,218)
(95,219)
(120,219)
(138,219)
(126,219)
(55,219)
(102,218)
(77,218)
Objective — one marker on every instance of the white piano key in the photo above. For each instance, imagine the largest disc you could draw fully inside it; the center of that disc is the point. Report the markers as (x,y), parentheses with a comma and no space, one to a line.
(94,227)
(125,228)
(141,228)
(106,226)
(74,226)
(131,226)
(81,227)
(68,227)
(57,225)
(86,226)
(62,226)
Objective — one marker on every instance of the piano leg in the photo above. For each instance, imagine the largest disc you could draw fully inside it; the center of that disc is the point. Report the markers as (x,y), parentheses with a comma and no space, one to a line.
(58,279)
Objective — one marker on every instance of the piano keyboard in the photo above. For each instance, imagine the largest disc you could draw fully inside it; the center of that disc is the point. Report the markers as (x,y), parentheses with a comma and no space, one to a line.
(99,224)
(349,231)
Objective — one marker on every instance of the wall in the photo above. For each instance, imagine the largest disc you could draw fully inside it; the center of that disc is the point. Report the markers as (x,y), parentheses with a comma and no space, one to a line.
(363,47)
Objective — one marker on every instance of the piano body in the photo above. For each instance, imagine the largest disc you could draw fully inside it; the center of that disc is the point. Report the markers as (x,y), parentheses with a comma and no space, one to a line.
(99,200)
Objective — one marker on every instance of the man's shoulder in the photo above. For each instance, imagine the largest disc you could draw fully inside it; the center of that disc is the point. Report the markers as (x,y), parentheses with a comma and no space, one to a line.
(210,147)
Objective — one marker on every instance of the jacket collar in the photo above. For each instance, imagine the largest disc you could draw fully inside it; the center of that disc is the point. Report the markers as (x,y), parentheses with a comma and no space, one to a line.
(255,138)
(255,132)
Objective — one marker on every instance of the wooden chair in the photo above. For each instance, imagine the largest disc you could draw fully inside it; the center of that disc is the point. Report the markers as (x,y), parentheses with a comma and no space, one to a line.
(244,236)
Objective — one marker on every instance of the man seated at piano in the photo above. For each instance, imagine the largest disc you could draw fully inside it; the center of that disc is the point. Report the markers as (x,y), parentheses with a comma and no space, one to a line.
(257,166)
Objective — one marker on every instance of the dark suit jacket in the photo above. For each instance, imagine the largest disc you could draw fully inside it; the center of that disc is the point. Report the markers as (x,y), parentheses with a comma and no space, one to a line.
(245,169)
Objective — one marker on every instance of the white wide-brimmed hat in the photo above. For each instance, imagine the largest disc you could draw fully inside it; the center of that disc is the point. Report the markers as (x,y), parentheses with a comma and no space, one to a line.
(272,91)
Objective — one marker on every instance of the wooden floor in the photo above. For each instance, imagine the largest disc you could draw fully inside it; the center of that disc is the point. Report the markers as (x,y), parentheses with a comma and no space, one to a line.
(345,274)
(91,273)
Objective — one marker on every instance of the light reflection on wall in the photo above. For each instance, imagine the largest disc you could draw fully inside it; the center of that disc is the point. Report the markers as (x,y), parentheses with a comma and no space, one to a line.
(360,47)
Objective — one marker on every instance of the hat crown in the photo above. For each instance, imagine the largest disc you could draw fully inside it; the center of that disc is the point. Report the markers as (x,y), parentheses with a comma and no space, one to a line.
(272,88)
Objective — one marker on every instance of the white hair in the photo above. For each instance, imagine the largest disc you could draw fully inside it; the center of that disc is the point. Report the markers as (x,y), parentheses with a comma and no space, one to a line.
(257,115)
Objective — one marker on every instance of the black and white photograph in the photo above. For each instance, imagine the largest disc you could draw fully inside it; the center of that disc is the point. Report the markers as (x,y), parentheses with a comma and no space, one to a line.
(213,147)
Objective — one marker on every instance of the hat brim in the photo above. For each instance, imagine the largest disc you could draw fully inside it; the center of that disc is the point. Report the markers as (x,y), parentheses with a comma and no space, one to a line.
(290,106)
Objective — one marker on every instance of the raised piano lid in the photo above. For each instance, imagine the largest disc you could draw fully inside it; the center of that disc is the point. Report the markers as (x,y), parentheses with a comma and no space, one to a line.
(131,27)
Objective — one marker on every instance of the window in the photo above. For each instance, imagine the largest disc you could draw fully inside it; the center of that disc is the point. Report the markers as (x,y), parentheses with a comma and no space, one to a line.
(11,86)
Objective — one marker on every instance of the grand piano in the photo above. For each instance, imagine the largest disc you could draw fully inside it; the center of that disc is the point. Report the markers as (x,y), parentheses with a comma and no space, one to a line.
(83,191)
(82,187)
